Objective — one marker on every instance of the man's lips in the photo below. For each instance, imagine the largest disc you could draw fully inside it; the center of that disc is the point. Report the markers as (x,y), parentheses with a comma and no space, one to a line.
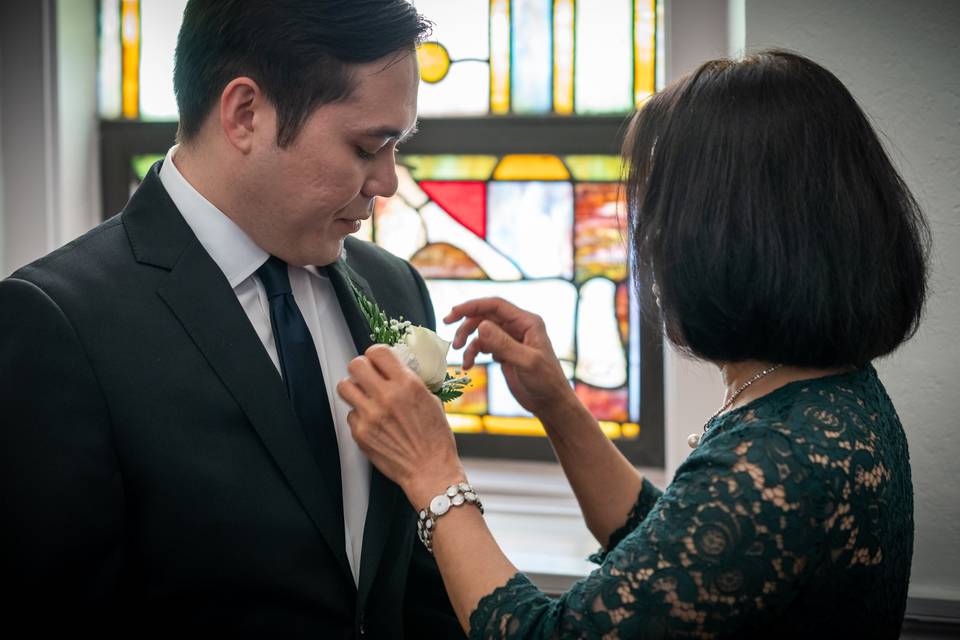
(351,223)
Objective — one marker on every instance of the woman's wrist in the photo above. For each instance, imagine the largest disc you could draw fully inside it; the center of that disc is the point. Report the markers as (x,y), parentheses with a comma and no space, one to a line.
(565,413)
(422,488)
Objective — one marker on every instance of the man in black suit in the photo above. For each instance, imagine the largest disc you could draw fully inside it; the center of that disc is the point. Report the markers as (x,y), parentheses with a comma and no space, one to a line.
(170,459)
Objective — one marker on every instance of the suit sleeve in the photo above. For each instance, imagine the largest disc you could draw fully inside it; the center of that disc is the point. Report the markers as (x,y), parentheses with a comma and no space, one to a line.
(429,613)
(61,494)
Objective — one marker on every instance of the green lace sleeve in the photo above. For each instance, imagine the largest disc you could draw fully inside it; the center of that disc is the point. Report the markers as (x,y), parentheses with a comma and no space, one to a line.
(648,497)
(720,549)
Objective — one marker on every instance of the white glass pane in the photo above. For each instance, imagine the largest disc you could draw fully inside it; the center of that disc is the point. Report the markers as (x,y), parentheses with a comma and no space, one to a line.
(442,228)
(464,91)
(399,228)
(601,359)
(109,71)
(604,56)
(160,22)
(500,401)
(460,26)
(408,189)
(532,62)
(532,224)
(554,300)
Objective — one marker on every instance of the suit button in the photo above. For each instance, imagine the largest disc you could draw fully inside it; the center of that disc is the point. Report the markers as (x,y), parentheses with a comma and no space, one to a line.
(362,626)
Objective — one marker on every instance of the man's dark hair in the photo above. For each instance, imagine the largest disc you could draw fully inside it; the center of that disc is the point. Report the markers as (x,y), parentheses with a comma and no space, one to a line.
(771,220)
(298,51)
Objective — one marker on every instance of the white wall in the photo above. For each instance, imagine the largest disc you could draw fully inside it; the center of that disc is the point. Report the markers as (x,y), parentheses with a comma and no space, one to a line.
(3,269)
(901,60)
(28,138)
(78,168)
(48,122)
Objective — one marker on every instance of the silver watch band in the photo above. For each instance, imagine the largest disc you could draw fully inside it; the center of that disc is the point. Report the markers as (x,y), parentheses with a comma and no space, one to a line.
(456,495)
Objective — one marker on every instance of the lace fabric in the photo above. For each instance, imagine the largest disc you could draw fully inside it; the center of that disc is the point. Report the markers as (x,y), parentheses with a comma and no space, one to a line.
(794,517)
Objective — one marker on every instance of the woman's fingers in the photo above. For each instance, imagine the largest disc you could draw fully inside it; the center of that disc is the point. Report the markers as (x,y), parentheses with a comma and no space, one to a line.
(496,309)
(515,321)
(365,375)
(387,365)
(498,343)
(353,395)
(465,329)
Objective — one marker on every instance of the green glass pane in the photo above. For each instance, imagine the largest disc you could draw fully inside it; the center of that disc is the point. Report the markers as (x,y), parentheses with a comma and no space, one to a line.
(142,163)
(449,167)
(594,168)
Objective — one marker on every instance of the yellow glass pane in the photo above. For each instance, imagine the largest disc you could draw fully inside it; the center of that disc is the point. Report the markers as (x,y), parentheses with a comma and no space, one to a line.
(563,17)
(610,429)
(630,430)
(499,56)
(644,50)
(465,424)
(513,426)
(130,40)
(531,167)
(434,61)
(532,427)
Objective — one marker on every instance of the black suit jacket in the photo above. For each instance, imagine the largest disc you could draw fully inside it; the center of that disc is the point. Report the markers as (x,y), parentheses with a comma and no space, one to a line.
(154,476)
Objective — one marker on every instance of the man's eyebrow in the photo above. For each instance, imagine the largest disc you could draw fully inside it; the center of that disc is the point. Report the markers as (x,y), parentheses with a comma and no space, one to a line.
(391,133)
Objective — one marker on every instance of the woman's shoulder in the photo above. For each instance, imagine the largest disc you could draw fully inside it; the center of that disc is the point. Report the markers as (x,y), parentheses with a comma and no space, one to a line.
(838,433)
(837,411)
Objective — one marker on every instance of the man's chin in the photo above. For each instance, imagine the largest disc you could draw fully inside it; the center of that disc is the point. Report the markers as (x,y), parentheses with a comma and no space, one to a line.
(328,255)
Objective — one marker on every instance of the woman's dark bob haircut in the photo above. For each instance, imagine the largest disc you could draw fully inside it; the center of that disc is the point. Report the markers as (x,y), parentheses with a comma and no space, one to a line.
(771,220)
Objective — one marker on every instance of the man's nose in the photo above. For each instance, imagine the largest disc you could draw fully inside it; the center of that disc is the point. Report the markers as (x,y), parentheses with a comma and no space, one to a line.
(382,180)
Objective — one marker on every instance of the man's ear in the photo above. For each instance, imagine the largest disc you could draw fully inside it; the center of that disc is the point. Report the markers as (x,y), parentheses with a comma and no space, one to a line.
(243,108)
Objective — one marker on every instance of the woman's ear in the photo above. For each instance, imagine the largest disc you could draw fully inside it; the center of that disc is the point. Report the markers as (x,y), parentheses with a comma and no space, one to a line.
(243,109)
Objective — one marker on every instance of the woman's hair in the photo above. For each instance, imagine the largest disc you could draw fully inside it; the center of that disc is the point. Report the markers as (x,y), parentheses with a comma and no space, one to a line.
(773,224)
(298,51)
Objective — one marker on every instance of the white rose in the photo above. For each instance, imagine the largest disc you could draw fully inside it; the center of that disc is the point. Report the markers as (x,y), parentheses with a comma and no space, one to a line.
(426,353)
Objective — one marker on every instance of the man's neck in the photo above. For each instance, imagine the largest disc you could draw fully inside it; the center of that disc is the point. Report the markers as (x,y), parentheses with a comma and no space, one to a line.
(196,167)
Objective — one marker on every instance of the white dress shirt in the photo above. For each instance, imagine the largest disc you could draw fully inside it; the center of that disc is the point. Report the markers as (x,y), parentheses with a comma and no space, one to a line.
(239,258)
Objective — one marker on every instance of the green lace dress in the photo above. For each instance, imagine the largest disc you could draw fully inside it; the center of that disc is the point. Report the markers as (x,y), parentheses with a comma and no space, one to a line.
(793,518)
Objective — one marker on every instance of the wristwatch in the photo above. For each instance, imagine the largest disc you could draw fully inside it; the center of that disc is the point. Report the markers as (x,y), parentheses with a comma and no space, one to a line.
(456,495)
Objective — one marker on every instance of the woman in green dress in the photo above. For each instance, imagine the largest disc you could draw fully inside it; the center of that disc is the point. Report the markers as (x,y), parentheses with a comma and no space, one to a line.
(773,237)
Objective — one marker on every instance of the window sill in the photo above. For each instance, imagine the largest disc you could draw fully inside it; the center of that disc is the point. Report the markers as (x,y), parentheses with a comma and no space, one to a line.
(534,516)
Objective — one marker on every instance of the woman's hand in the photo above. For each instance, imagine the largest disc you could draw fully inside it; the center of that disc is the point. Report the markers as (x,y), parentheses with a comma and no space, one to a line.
(518,340)
(400,425)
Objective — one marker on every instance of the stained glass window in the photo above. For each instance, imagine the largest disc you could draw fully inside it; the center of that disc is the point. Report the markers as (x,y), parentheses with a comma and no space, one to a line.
(501,203)
(486,57)
(546,232)
(523,56)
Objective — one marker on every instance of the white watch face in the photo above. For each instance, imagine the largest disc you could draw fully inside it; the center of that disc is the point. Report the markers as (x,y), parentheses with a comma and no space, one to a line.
(440,505)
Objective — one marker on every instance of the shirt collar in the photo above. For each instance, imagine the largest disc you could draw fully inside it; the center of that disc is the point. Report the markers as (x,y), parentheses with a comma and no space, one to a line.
(231,248)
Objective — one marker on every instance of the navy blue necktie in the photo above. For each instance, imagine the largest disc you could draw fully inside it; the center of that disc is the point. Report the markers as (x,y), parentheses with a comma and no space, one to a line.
(302,373)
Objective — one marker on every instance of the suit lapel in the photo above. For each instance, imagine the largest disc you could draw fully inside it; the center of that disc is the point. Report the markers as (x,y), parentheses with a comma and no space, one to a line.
(200,297)
(383,492)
